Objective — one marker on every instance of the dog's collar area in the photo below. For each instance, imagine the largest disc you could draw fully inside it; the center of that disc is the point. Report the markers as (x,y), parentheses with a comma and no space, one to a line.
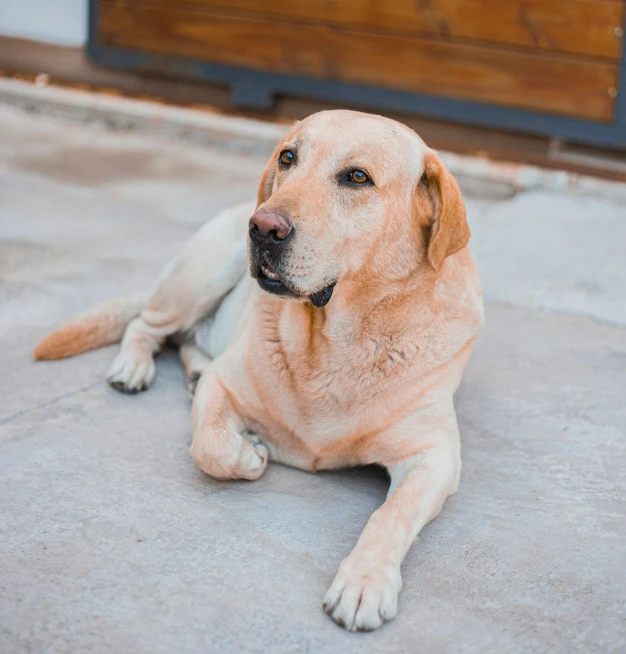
(321,298)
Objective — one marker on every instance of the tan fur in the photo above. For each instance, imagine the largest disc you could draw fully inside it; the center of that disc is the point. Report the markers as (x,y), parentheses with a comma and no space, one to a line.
(101,325)
(450,231)
(368,378)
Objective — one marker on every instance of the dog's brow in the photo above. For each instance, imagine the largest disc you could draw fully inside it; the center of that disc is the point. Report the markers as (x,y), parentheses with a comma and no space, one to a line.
(356,161)
(359,159)
(291,144)
(361,153)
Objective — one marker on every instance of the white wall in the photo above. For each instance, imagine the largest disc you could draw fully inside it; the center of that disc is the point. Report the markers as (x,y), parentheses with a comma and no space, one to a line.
(52,21)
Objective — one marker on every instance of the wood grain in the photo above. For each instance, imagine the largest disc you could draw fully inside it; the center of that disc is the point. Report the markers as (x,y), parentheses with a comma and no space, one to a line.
(588,27)
(562,85)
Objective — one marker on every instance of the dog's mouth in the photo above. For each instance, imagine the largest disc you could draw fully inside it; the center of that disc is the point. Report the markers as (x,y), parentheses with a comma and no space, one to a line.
(269,274)
(269,280)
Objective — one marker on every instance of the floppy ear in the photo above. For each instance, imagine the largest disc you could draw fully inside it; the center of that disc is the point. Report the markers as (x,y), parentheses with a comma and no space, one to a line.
(267,180)
(449,231)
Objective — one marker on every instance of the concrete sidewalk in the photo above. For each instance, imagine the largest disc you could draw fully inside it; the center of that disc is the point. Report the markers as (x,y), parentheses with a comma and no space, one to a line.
(111,540)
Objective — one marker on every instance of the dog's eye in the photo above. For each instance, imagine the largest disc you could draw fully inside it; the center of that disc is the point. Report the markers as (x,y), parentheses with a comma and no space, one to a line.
(285,158)
(357,177)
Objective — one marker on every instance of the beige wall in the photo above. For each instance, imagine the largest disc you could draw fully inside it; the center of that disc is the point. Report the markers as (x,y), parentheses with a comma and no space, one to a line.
(51,21)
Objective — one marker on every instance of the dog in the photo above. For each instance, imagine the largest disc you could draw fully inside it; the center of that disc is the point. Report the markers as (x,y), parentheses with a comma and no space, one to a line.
(343,346)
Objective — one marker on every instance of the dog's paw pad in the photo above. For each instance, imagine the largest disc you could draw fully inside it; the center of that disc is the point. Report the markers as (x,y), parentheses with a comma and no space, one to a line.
(362,596)
(192,381)
(254,464)
(132,372)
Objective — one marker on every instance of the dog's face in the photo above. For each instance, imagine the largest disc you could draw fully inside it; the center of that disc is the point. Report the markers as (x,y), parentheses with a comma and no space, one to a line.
(351,195)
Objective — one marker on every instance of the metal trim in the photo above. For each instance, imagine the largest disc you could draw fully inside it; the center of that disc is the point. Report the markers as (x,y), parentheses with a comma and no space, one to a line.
(256,90)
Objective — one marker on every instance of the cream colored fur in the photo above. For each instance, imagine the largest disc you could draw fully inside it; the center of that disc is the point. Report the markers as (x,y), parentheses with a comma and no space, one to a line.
(368,378)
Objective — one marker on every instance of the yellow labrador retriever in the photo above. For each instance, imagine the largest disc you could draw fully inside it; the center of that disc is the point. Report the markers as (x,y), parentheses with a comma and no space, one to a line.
(343,346)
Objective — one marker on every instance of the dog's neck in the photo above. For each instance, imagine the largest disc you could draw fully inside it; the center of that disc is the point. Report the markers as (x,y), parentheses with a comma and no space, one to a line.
(364,304)
(391,277)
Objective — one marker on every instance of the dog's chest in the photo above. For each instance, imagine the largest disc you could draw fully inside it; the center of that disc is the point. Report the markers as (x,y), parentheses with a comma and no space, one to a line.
(333,400)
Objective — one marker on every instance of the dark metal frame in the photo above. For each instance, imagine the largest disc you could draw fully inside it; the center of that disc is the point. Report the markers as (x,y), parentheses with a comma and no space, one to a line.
(256,89)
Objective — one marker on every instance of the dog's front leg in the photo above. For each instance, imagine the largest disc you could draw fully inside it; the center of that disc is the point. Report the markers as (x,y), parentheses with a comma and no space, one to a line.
(365,591)
(220,446)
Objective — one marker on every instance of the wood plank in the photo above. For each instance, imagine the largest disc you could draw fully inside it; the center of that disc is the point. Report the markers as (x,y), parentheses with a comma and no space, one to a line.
(591,27)
(557,84)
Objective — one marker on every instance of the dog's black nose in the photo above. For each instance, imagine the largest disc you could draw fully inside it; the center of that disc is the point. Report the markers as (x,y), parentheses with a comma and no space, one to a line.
(269,228)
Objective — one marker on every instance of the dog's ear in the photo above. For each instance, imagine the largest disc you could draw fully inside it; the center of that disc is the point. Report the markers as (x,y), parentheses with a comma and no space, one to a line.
(447,231)
(267,180)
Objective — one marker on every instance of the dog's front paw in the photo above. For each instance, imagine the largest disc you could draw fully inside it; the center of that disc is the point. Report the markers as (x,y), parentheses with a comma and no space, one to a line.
(363,596)
(132,371)
(229,456)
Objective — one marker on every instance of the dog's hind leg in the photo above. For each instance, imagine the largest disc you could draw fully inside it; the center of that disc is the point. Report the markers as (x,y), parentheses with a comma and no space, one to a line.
(189,288)
(194,362)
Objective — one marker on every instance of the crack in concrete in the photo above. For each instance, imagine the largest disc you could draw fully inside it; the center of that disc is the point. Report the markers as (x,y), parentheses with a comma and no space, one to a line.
(14,416)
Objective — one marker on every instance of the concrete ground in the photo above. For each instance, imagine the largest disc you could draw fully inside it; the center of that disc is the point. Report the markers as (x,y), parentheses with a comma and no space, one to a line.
(111,540)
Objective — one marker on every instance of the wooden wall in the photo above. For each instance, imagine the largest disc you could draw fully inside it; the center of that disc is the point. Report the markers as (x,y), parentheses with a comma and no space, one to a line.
(555,56)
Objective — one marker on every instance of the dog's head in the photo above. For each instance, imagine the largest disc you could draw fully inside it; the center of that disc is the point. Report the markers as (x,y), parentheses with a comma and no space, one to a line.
(351,195)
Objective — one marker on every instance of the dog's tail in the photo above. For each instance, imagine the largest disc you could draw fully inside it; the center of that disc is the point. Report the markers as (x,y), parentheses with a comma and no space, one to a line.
(101,325)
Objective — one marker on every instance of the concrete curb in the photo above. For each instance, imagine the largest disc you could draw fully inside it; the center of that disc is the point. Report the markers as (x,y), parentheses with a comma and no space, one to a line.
(259,138)
(120,113)
(523,177)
